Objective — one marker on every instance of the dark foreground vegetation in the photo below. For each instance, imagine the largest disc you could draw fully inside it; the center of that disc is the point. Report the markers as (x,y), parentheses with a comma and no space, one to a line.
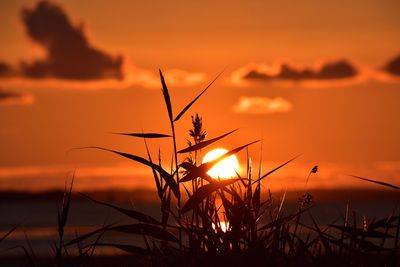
(222,222)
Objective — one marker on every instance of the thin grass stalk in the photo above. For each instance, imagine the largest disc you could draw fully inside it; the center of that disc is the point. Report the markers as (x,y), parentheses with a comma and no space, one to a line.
(396,240)
(383,240)
(169,109)
(344,225)
(31,256)
(352,235)
(177,178)
(298,219)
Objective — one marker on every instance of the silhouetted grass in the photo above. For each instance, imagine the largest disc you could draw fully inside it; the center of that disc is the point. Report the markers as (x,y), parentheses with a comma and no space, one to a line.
(207,221)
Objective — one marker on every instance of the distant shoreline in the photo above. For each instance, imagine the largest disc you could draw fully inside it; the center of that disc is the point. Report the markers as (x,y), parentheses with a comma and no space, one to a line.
(150,196)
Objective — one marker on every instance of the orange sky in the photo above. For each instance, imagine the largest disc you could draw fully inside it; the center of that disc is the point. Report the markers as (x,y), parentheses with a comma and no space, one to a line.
(308,77)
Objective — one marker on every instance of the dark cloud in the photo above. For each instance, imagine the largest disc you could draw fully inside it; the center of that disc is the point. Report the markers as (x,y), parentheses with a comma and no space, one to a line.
(6,70)
(69,54)
(14,98)
(393,66)
(334,70)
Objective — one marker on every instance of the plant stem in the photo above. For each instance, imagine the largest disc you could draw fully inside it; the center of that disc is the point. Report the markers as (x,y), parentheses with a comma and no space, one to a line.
(177,179)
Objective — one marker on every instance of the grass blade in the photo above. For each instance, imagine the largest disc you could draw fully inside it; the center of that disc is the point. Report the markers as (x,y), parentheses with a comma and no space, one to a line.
(322,237)
(197,97)
(167,177)
(130,213)
(145,229)
(268,173)
(201,171)
(356,231)
(8,233)
(204,144)
(128,248)
(166,96)
(145,135)
(200,194)
(63,216)
(385,222)
(85,236)
(374,181)
(281,221)
(156,179)
(210,164)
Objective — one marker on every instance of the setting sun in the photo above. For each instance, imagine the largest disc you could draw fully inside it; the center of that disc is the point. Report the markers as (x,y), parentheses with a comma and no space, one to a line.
(224,169)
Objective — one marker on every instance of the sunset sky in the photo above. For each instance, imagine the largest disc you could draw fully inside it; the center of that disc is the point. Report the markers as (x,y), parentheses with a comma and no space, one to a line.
(320,78)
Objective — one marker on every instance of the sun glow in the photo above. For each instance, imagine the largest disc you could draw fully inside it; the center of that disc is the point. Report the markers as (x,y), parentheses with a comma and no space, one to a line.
(224,226)
(224,169)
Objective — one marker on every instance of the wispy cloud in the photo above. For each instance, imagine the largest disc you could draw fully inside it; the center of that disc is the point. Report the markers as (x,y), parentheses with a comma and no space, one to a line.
(127,176)
(72,61)
(69,52)
(87,177)
(393,66)
(10,98)
(262,105)
(133,76)
(6,70)
(390,72)
(286,72)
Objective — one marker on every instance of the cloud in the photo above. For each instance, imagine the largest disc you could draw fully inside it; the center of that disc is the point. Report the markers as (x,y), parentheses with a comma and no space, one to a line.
(72,62)
(262,105)
(389,73)
(7,70)
(69,53)
(182,77)
(286,72)
(9,98)
(393,66)
(127,176)
(87,177)
(134,77)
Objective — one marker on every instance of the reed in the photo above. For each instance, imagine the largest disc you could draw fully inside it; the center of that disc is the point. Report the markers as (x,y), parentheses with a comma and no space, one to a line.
(231,221)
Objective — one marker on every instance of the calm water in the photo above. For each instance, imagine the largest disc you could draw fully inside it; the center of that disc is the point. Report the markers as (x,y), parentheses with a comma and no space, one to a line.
(39,219)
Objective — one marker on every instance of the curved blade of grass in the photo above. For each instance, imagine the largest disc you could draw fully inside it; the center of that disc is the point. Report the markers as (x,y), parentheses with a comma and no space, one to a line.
(210,164)
(201,171)
(200,194)
(268,173)
(145,229)
(145,135)
(165,208)
(361,232)
(385,222)
(156,179)
(167,177)
(241,179)
(197,97)
(166,96)
(85,236)
(194,173)
(8,233)
(322,237)
(204,143)
(128,248)
(256,198)
(374,181)
(368,245)
(31,260)
(130,213)
(187,166)
(63,216)
(281,221)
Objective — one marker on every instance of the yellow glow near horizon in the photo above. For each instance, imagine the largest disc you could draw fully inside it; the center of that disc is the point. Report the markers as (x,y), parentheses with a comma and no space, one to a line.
(224,169)
(224,226)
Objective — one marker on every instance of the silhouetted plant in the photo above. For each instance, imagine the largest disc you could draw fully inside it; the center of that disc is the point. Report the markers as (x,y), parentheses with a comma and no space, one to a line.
(205,219)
